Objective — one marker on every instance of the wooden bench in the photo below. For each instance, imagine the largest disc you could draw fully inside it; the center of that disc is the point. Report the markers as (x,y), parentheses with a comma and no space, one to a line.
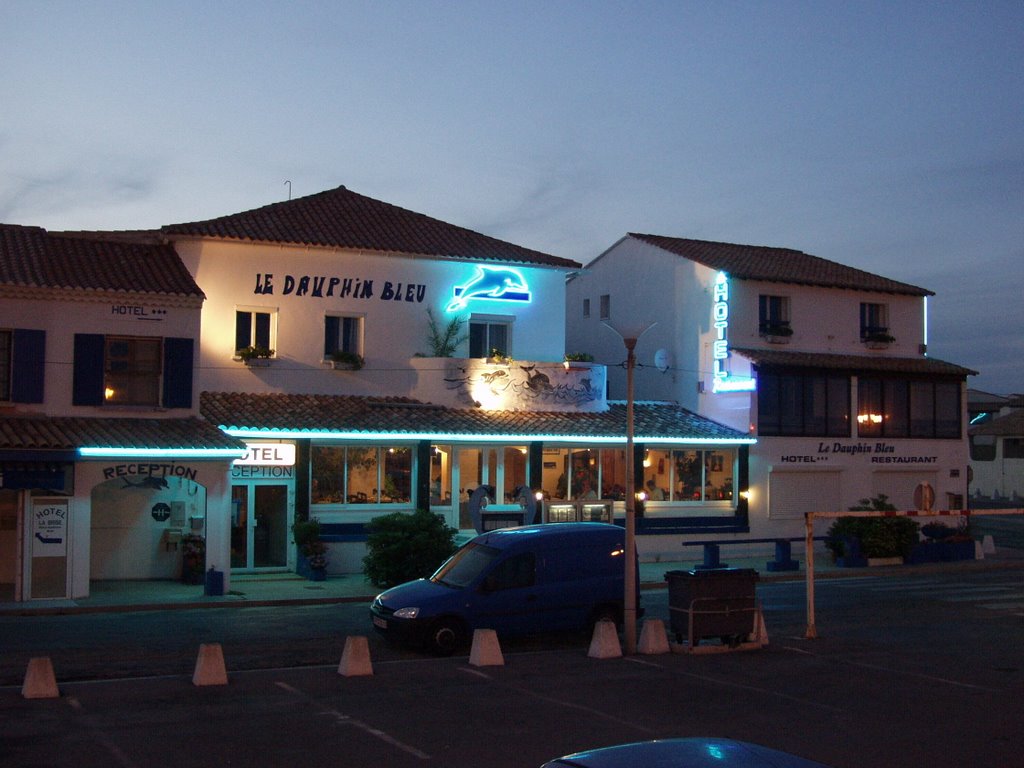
(783,552)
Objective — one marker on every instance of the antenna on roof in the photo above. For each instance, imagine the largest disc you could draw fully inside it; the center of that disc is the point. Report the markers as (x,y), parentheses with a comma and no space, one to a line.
(289,189)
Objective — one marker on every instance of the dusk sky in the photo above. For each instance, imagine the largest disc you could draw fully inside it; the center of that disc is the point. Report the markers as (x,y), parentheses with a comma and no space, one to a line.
(888,136)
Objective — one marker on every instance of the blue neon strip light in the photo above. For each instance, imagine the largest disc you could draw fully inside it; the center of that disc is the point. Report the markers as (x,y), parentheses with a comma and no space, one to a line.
(296,434)
(114,452)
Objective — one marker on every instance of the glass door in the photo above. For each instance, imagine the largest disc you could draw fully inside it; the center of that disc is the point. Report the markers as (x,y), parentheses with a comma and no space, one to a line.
(259,526)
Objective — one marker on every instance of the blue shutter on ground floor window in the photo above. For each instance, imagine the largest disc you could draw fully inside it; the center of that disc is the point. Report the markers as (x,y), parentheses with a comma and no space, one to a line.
(87,382)
(178,373)
(28,359)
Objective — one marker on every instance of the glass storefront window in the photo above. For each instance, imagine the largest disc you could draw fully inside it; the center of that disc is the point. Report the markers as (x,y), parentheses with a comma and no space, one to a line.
(440,475)
(361,475)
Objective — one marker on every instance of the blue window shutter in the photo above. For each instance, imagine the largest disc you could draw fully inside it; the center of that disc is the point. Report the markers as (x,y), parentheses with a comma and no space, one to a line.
(178,372)
(87,381)
(28,363)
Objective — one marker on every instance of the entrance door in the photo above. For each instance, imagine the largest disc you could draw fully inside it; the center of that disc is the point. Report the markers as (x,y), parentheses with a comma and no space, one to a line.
(259,526)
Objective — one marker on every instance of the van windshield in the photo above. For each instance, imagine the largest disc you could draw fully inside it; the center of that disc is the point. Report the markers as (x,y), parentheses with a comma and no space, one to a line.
(465,566)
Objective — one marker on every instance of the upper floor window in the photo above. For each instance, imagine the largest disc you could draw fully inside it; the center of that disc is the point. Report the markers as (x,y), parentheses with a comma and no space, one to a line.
(806,404)
(343,334)
(489,335)
(586,307)
(255,327)
(132,370)
(773,316)
(906,408)
(874,322)
(606,306)
(1013,448)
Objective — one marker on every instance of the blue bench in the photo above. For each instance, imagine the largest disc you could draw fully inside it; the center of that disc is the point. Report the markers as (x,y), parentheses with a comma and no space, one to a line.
(783,552)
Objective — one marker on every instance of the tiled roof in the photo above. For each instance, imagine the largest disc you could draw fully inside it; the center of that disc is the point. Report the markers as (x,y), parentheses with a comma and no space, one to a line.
(852,363)
(59,433)
(31,257)
(339,218)
(402,416)
(1010,425)
(780,265)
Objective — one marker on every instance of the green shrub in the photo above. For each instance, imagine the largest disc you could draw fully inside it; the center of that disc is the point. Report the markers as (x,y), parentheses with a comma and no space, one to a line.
(878,536)
(403,546)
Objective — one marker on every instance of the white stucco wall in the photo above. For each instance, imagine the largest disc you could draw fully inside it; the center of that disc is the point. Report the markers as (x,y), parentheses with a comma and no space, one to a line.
(235,275)
(129,316)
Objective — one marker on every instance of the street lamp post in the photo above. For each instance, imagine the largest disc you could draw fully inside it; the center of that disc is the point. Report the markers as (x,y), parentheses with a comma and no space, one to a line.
(630,337)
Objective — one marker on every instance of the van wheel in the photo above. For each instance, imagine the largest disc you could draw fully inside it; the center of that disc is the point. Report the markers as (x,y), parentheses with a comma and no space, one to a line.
(445,636)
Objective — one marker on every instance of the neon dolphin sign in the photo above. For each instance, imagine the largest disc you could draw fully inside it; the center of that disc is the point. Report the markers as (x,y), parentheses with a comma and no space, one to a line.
(494,283)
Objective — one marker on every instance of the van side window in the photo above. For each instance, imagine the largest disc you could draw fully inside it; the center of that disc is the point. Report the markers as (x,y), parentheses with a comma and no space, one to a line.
(516,572)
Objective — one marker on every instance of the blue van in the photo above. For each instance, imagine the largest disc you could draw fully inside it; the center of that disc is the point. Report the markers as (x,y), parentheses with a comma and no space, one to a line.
(516,581)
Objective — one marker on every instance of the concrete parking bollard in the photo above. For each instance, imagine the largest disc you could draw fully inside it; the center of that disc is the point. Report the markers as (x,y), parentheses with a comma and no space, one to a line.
(486,652)
(210,668)
(653,638)
(355,659)
(605,642)
(40,682)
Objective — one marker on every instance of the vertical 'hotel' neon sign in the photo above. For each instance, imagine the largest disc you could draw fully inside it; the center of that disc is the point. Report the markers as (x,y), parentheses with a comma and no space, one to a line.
(721,380)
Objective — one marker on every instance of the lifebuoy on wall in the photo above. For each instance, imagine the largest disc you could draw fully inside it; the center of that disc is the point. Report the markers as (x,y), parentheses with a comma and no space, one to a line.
(478,501)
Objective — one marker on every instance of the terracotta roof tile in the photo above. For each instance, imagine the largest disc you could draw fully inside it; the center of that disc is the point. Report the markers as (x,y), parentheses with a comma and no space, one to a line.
(31,257)
(853,363)
(1007,425)
(340,218)
(402,416)
(58,433)
(782,265)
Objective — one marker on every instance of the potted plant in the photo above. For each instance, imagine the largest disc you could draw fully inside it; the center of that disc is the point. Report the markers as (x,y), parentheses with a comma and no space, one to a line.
(312,549)
(859,541)
(255,356)
(777,333)
(498,357)
(943,543)
(577,357)
(347,361)
(444,342)
(879,339)
(193,558)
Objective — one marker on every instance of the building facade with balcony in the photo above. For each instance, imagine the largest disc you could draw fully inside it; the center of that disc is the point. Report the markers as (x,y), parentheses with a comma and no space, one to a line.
(824,364)
(377,360)
(106,470)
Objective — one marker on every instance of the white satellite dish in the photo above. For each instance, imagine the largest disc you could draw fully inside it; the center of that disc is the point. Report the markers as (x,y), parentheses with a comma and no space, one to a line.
(661,360)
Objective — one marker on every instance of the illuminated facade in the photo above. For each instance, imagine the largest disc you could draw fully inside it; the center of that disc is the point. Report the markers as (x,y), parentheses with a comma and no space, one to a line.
(826,365)
(105,465)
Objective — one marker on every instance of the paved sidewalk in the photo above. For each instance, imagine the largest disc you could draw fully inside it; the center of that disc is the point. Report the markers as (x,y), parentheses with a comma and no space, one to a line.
(289,588)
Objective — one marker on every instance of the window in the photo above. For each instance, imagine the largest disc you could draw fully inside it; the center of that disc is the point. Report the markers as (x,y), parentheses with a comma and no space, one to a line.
(874,321)
(255,328)
(487,334)
(343,334)
(126,370)
(132,369)
(515,572)
(689,475)
(586,307)
(802,404)
(773,316)
(905,408)
(1013,448)
(606,306)
(361,475)
(983,447)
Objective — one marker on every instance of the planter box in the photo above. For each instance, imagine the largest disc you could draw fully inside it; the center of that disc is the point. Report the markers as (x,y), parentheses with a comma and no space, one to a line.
(942,552)
(258,362)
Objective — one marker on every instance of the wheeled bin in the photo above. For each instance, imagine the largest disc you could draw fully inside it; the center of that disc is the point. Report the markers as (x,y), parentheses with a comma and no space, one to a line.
(720,602)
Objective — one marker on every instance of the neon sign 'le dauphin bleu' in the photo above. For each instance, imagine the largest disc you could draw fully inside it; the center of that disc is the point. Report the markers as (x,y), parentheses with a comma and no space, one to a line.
(494,283)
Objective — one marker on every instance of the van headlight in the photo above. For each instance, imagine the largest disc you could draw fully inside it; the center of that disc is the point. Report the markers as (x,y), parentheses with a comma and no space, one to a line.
(406,613)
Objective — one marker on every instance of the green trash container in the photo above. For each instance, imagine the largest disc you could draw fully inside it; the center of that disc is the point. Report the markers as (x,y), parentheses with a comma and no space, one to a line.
(716,603)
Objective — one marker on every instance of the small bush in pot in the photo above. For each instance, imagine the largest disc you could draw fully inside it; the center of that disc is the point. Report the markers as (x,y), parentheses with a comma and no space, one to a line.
(404,546)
